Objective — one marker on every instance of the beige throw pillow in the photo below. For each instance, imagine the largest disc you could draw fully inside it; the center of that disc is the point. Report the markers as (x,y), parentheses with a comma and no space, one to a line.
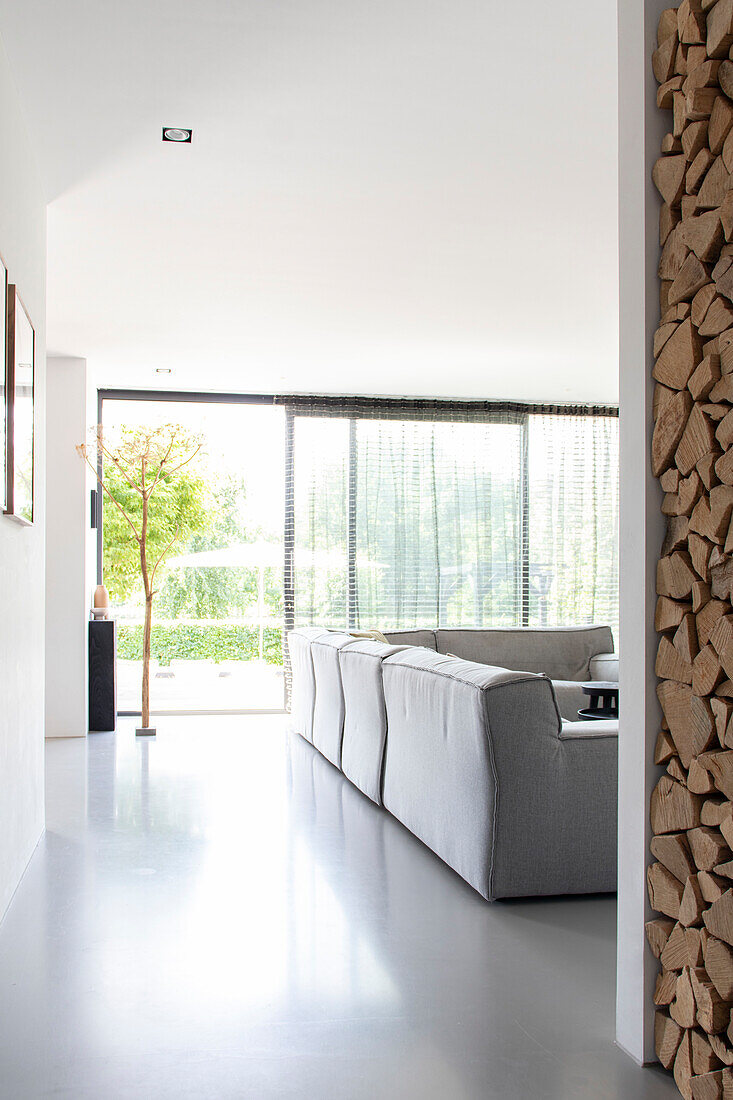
(374,635)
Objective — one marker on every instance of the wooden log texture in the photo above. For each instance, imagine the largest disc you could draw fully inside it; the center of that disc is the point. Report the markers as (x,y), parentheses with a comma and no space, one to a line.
(690,877)
(718,958)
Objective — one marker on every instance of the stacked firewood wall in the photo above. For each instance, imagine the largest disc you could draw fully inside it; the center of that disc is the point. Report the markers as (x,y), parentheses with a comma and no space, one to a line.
(691,879)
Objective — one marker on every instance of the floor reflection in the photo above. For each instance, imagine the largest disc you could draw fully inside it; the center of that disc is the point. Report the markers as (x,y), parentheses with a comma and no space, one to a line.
(219,913)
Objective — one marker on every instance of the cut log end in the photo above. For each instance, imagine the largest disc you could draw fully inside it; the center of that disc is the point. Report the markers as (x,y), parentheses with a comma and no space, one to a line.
(690,878)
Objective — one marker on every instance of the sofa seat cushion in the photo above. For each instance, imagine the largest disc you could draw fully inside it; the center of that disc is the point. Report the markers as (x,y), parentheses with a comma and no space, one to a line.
(590,729)
(562,653)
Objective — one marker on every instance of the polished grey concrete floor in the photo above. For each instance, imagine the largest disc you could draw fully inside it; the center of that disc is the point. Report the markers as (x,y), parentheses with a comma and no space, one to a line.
(218,914)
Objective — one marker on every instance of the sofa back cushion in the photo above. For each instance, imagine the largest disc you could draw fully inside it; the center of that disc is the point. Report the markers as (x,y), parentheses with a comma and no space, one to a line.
(562,653)
(328,712)
(365,718)
(303,692)
(424,638)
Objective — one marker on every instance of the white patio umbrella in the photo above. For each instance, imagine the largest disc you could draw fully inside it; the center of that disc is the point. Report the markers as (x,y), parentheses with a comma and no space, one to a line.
(260,555)
(242,555)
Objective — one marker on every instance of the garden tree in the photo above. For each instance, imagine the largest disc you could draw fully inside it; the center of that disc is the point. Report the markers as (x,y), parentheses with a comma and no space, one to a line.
(147,476)
(183,502)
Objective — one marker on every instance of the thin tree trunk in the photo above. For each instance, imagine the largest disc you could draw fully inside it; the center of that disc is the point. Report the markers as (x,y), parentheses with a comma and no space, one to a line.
(148,608)
(146,660)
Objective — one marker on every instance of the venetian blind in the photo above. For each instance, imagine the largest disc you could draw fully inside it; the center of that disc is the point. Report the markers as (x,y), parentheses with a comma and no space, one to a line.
(421,513)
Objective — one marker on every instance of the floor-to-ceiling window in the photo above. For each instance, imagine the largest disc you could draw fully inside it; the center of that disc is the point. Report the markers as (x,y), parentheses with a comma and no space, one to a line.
(422,513)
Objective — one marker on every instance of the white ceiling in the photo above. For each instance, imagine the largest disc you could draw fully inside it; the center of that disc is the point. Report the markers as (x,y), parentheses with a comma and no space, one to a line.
(392,196)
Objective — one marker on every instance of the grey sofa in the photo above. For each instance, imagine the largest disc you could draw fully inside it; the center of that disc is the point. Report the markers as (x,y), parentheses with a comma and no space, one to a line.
(568,655)
(472,758)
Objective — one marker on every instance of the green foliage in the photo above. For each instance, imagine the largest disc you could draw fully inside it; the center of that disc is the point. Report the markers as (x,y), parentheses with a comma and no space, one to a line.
(179,504)
(208,513)
(217,593)
(199,642)
(210,517)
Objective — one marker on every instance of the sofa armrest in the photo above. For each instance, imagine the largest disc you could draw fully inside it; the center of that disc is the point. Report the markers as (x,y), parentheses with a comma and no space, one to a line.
(555,828)
(570,698)
(440,778)
(604,666)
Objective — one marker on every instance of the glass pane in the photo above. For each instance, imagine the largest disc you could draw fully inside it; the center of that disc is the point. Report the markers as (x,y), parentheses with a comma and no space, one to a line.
(437,521)
(320,489)
(217,612)
(437,524)
(573,520)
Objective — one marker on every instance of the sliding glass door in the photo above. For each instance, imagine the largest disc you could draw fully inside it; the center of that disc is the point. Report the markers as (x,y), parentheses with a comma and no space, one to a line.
(218,610)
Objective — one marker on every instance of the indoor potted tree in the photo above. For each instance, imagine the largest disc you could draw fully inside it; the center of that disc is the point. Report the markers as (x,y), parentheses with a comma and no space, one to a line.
(141,475)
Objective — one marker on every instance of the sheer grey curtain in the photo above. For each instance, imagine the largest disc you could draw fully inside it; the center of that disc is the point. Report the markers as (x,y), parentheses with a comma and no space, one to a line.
(422,513)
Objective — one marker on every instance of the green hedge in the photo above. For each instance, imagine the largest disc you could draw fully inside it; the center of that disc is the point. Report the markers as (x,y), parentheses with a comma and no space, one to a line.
(199,642)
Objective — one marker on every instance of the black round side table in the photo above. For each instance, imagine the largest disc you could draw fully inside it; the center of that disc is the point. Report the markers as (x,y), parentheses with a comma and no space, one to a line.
(603,699)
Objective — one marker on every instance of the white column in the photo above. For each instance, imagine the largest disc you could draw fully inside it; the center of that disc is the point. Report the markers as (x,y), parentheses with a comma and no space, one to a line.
(68,536)
(641,127)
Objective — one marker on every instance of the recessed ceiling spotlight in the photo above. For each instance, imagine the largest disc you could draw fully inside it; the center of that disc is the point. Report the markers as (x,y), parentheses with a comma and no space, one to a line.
(162,370)
(175,133)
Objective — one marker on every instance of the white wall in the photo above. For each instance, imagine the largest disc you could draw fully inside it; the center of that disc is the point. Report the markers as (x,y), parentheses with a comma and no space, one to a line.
(641,126)
(22,549)
(67,542)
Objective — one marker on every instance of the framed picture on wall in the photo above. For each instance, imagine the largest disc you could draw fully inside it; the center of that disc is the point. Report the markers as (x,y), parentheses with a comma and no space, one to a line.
(20,401)
(3,382)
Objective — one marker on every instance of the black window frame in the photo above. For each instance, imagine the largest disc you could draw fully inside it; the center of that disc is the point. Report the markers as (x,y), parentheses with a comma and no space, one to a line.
(354,408)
